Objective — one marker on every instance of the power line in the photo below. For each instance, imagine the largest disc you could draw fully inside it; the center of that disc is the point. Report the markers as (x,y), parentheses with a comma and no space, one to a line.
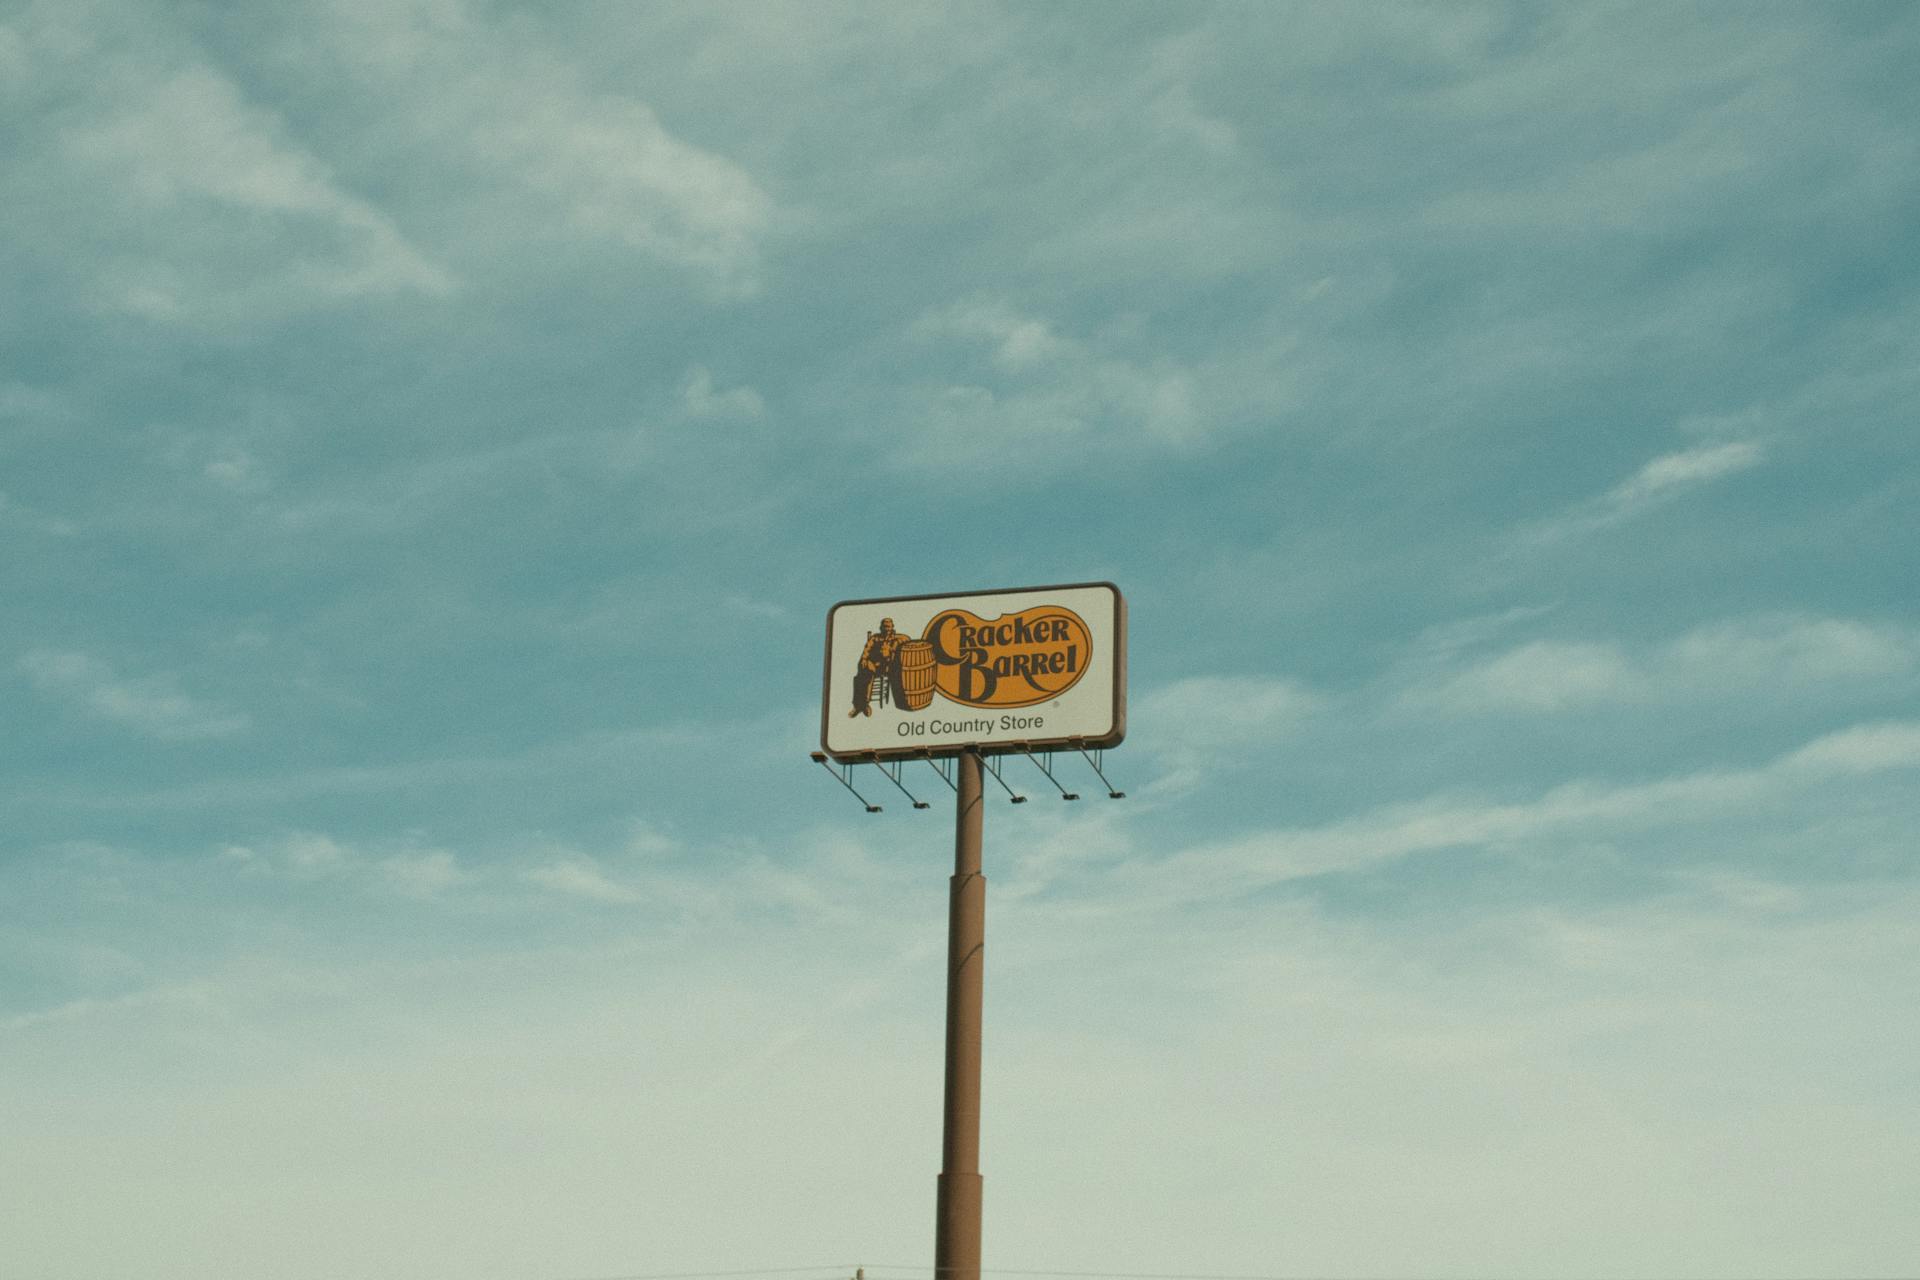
(832,1269)
(1115,1275)
(845,1271)
(1241,1275)
(1112,1275)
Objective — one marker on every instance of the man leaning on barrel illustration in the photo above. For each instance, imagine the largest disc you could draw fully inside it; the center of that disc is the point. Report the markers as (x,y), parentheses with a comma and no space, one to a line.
(879,660)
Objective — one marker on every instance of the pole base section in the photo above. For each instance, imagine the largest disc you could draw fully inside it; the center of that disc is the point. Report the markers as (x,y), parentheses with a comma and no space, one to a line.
(956,1237)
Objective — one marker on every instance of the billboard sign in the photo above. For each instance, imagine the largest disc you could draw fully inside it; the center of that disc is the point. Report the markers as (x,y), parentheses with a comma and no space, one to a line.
(997,671)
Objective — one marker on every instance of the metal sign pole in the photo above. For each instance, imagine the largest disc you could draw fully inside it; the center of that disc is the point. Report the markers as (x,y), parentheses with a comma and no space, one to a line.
(956,1237)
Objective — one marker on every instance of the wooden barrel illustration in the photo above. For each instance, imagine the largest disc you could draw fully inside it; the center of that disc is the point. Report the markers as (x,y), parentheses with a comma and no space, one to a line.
(916,674)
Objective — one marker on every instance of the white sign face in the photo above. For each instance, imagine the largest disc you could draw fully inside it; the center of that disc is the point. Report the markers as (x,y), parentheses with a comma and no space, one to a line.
(996,671)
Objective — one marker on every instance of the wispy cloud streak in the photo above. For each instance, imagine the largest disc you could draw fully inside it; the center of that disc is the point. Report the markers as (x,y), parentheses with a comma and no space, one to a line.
(152,705)
(1661,480)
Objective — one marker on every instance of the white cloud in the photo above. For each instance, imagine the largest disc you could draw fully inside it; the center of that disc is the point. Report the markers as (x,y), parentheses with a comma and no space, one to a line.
(202,204)
(758,610)
(1772,654)
(544,155)
(1542,675)
(1176,113)
(703,401)
(1794,649)
(1443,639)
(645,840)
(608,165)
(1016,341)
(581,877)
(1862,749)
(237,471)
(1584,810)
(316,858)
(1198,723)
(1684,469)
(1229,708)
(208,208)
(1659,481)
(311,854)
(191,135)
(422,874)
(1624,1081)
(152,705)
(1042,396)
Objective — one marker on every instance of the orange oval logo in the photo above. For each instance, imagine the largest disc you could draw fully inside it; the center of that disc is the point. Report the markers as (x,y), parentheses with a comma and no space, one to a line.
(1014,660)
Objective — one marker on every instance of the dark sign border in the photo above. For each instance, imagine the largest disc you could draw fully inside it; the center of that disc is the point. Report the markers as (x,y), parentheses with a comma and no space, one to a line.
(1112,738)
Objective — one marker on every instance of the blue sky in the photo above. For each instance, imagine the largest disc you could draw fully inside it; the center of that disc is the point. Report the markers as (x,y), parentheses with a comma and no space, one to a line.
(432,434)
